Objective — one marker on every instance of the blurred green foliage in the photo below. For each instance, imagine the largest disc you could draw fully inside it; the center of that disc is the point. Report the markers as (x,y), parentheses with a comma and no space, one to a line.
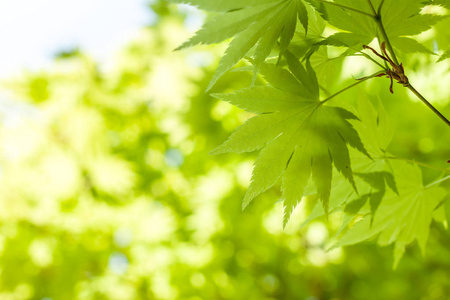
(107,190)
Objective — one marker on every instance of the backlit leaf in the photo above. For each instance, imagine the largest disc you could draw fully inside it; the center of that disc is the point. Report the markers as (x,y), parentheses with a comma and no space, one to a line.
(402,218)
(261,25)
(301,138)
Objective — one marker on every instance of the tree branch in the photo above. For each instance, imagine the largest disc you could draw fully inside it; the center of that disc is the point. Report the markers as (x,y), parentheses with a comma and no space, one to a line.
(379,22)
(424,100)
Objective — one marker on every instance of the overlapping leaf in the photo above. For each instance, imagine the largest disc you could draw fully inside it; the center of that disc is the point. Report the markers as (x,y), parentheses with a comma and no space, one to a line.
(300,137)
(400,18)
(262,25)
(403,218)
(375,173)
(400,214)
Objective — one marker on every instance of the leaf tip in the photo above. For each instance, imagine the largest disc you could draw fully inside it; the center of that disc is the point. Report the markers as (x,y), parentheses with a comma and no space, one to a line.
(286,215)
(218,150)
(332,247)
(213,81)
(246,202)
(399,250)
(183,46)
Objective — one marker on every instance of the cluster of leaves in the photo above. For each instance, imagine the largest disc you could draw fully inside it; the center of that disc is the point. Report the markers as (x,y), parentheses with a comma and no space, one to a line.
(107,191)
(300,135)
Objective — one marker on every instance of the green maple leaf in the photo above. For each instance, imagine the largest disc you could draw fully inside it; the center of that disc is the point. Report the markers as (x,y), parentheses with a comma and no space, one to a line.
(376,135)
(300,136)
(376,172)
(261,25)
(401,19)
(402,218)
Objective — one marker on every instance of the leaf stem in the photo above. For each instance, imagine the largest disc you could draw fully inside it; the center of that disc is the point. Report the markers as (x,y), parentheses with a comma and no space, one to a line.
(377,16)
(372,8)
(370,58)
(347,7)
(380,7)
(438,182)
(424,100)
(351,86)
(417,163)
(386,39)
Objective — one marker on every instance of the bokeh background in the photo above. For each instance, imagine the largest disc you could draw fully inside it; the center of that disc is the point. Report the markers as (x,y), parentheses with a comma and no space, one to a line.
(107,190)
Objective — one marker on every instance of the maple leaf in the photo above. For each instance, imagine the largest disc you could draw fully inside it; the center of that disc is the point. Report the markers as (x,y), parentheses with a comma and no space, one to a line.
(300,136)
(402,218)
(401,20)
(375,132)
(261,25)
(376,173)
